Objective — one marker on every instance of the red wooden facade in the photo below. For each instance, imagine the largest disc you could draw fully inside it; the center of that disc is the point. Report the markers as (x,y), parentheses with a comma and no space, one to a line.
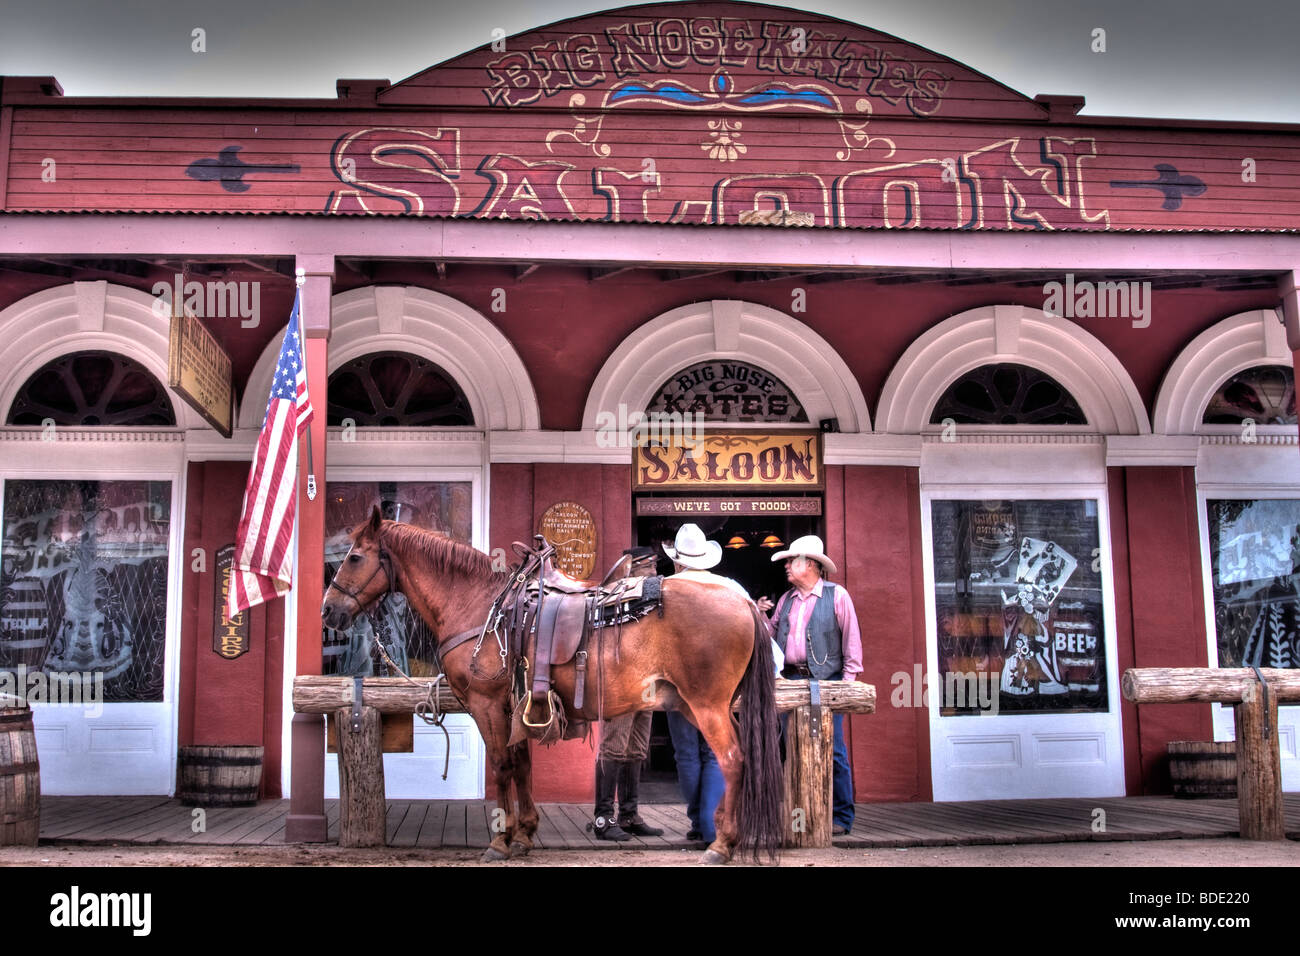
(760,139)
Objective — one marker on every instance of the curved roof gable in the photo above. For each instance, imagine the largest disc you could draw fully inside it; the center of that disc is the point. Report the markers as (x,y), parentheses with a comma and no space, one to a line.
(722,57)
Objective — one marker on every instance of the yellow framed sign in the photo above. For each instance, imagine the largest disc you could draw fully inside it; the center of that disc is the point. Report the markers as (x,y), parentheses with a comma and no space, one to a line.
(785,460)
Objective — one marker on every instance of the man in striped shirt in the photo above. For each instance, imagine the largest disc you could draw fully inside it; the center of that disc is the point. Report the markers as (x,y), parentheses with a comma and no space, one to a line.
(815,625)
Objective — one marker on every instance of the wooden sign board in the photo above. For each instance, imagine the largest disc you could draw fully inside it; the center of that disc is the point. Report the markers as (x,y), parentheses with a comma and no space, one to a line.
(738,505)
(569,528)
(199,371)
(731,461)
(229,635)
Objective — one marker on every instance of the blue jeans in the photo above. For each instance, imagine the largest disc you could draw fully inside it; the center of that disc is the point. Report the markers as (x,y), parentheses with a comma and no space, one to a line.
(698,774)
(842,777)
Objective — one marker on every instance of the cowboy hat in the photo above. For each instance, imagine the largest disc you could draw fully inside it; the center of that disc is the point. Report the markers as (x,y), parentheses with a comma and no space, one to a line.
(692,550)
(809,546)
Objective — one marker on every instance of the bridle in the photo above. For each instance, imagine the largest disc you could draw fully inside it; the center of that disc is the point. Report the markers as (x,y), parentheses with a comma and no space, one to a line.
(385,564)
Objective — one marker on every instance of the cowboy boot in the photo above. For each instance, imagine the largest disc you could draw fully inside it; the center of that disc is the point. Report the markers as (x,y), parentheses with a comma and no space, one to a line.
(629,782)
(604,826)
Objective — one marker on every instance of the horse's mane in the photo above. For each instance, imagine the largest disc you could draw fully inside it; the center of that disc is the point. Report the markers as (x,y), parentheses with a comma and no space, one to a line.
(445,554)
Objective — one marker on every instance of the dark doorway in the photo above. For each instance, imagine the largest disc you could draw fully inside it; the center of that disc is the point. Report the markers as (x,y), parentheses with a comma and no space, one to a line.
(748,543)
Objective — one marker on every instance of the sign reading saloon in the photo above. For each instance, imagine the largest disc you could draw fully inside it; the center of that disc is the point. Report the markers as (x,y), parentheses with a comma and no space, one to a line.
(724,391)
(732,460)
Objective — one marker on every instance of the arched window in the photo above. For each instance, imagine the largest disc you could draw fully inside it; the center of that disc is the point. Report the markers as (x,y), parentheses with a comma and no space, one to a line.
(1007,394)
(396,389)
(1265,394)
(90,389)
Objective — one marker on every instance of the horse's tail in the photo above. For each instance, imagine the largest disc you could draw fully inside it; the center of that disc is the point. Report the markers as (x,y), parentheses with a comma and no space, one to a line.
(761,816)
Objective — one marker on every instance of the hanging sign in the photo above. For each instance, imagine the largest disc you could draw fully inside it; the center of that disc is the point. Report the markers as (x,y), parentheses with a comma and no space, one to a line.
(730,460)
(568,527)
(198,370)
(229,635)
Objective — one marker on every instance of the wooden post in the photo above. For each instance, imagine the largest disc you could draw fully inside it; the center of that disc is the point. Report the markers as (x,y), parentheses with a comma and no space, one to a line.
(306,820)
(1259,759)
(361,778)
(808,777)
(1259,766)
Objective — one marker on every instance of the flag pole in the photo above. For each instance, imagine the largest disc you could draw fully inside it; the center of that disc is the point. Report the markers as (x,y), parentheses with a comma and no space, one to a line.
(300,279)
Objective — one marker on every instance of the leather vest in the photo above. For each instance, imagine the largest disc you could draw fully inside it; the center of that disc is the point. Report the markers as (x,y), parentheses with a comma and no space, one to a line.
(823,640)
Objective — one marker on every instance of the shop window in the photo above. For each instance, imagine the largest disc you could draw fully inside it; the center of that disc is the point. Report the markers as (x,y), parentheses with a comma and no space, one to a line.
(1255,563)
(1007,394)
(93,388)
(1018,602)
(396,389)
(1264,394)
(83,584)
(445,506)
(728,391)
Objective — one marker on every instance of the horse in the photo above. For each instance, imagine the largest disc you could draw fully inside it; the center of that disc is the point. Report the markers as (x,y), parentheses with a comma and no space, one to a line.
(708,647)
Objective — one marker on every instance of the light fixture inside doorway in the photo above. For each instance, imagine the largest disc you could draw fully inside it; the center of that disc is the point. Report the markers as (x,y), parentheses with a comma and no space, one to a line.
(737,541)
(772,541)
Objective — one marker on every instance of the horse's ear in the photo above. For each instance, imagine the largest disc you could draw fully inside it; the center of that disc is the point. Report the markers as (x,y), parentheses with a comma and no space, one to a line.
(375,518)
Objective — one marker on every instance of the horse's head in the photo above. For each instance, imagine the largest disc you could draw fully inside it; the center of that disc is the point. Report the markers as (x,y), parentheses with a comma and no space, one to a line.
(365,576)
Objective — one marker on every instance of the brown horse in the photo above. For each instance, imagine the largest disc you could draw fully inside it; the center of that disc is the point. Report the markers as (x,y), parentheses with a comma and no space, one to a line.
(708,648)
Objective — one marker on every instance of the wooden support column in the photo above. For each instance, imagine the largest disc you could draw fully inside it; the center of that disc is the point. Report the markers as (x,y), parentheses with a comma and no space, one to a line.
(306,820)
(1259,765)
(809,749)
(361,778)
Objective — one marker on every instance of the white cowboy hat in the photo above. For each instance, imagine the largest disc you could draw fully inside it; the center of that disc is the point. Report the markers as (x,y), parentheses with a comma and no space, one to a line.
(693,550)
(809,546)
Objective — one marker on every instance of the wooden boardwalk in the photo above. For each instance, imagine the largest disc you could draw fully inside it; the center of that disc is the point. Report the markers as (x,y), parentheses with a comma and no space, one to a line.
(459,824)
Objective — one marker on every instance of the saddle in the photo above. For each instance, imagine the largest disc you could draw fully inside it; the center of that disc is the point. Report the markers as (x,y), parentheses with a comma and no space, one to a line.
(548,619)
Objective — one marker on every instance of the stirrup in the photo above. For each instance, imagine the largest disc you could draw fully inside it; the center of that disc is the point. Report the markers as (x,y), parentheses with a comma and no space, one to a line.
(528,705)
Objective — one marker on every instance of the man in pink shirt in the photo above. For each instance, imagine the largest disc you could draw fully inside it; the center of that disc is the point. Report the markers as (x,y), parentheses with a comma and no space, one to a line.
(815,625)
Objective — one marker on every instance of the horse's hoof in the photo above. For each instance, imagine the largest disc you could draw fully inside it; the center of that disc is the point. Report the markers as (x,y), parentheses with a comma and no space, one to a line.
(520,849)
(712,857)
(493,855)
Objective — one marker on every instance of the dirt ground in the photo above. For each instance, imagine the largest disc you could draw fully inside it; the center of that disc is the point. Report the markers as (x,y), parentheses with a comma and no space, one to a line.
(1163,853)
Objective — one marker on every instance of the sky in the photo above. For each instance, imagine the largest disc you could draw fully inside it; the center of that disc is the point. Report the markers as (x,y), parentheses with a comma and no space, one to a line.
(1187,59)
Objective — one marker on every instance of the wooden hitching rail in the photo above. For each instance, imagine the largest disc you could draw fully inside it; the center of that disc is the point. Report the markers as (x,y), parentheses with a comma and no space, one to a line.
(808,765)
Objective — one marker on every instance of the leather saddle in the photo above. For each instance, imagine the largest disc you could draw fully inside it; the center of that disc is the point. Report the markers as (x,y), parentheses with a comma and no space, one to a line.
(549,620)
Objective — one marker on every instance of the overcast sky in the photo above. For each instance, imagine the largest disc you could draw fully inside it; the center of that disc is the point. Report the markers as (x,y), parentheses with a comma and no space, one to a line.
(1193,59)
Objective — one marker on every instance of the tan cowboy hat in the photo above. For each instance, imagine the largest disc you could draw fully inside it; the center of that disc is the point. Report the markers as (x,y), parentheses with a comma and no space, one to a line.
(809,546)
(693,550)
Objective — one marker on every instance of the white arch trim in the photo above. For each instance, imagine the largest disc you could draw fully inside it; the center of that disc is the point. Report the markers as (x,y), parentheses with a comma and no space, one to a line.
(745,331)
(1221,351)
(428,324)
(80,317)
(1011,333)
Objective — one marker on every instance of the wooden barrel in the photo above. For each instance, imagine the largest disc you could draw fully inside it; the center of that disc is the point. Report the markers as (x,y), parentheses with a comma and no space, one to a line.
(20,779)
(219,776)
(1203,770)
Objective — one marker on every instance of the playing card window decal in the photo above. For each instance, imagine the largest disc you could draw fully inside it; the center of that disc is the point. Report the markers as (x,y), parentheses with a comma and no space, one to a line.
(1018,602)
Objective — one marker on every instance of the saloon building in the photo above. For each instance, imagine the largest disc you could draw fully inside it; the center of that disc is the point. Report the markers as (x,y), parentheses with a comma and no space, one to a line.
(1028,373)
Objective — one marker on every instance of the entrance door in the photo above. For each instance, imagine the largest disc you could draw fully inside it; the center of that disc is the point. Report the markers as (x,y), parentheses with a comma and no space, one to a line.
(1022,681)
(445,505)
(748,543)
(85,635)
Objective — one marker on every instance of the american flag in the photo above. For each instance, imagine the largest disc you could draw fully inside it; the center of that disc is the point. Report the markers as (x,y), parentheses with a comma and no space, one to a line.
(263,563)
